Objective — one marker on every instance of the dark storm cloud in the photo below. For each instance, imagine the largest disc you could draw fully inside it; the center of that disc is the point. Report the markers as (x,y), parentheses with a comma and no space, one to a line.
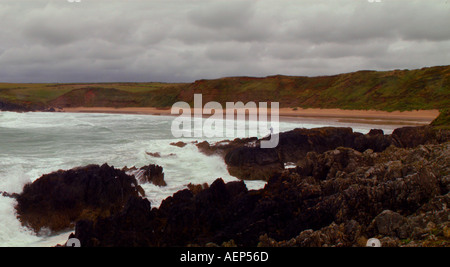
(180,40)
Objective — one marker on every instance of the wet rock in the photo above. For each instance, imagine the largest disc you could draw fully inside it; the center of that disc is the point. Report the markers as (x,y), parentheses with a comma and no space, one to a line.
(155,155)
(178,144)
(10,195)
(59,199)
(148,174)
(197,188)
(152,174)
(397,195)
(223,147)
(246,160)
(253,163)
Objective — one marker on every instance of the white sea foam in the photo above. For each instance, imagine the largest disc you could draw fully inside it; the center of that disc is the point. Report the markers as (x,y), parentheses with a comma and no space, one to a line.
(33,144)
(11,231)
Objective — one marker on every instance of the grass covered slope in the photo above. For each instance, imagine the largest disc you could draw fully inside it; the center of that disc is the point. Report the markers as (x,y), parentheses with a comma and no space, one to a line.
(427,88)
(42,96)
(443,120)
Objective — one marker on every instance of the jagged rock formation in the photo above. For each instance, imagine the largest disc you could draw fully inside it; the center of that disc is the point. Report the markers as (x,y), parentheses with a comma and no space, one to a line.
(245,160)
(341,198)
(398,192)
(57,200)
(148,174)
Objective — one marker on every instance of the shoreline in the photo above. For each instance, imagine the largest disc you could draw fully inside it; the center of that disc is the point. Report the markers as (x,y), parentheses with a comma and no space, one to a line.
(416,117)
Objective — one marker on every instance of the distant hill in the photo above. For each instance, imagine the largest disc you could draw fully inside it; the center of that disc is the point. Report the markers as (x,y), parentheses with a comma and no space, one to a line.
(426,88)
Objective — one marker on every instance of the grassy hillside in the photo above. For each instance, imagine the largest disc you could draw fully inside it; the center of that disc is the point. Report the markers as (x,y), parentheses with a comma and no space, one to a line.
(427,88)
(392,90)
(443,120)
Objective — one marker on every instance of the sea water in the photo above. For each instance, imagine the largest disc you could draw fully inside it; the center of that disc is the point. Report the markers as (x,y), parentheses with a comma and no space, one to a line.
(33,144)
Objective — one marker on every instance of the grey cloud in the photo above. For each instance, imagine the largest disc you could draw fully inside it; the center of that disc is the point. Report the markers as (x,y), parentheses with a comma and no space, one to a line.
(180,40)
(222,14)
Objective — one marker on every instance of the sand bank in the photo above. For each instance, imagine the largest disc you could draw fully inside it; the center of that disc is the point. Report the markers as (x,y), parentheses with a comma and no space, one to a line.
(425,115)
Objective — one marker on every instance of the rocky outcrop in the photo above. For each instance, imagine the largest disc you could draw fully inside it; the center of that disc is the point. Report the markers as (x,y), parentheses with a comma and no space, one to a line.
(148,174)
(57,200)
(153,174)
(414,136)
(250,162)
(246,160)
(7,106)
(340,197)
(179,144)
(253,163)
(223,147)
(197,188)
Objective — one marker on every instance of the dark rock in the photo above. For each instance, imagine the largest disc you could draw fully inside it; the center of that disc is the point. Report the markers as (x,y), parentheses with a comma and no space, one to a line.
(223,147)
(148,174)
(10,195)
(155,155)
(409,137)
(7,106)
(253,163)
(246,160)
(373,132)
(341,204)
(151,174)
(178,144)
(59,199)
(389,223)
(197,188)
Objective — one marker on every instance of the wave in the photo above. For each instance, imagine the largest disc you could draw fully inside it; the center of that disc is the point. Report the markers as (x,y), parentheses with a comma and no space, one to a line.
(33,144)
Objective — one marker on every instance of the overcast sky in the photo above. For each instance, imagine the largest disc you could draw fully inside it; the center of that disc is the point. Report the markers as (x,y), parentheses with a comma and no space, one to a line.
(186,40)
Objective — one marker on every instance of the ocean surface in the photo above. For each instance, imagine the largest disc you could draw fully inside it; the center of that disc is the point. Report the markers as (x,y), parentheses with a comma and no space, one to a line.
(33,144)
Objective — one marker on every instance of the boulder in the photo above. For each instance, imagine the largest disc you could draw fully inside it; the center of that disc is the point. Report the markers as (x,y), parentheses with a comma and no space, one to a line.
(147,174)
(57,200)
(409,137)
(253,163)
(390,223)
(151,174)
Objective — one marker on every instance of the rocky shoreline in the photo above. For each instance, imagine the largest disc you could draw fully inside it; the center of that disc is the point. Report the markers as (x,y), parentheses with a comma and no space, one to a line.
(246,160)
(346,187)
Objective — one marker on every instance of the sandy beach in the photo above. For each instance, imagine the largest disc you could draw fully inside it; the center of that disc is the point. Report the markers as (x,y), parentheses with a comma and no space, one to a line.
(417,117)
